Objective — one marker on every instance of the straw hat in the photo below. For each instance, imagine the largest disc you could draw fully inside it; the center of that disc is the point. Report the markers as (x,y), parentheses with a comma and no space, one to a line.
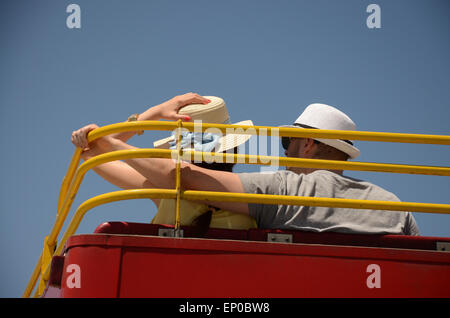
(321,116)
(214,112)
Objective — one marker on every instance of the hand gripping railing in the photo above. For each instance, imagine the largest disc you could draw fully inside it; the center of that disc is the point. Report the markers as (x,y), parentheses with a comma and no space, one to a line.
(75,174)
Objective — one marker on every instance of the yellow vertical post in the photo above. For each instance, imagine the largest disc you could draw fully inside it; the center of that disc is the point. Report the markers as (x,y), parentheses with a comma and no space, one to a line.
(178,181)
(47,254)
(68,178)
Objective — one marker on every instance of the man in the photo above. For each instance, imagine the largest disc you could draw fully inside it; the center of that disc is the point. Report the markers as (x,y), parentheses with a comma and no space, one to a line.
(294,181)
(311,182)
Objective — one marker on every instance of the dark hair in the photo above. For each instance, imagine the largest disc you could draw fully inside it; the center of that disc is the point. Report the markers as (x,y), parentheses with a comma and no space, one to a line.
(221,166)
(216,166)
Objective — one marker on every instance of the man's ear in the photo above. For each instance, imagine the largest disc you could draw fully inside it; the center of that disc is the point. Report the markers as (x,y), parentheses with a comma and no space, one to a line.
(310,147)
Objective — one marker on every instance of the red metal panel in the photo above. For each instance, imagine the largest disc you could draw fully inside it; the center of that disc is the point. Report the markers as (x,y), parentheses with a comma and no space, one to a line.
(168,267)
(95,267)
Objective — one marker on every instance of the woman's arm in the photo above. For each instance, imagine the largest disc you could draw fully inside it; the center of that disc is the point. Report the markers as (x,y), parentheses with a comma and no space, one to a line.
(162,173)
(120,173)
(167,110)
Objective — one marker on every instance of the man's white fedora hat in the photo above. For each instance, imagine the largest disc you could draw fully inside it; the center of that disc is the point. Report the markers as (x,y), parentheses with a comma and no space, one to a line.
(321,116)
(214,112)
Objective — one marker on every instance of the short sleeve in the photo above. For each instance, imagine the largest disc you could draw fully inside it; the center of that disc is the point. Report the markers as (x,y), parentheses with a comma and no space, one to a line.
(263,183)
(411,227)
(266,183)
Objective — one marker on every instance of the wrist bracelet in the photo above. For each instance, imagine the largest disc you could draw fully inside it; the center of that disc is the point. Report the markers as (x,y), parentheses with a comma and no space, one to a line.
(135,117)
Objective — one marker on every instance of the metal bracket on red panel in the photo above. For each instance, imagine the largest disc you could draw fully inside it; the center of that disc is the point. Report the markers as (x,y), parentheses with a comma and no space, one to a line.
(279,238)
(169,232)
(443,246)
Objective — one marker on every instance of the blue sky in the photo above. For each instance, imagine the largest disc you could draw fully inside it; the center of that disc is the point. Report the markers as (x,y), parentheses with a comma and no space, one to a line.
(267,59)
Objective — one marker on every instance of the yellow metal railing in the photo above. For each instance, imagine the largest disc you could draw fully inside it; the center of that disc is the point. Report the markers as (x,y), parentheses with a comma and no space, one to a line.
(76,172)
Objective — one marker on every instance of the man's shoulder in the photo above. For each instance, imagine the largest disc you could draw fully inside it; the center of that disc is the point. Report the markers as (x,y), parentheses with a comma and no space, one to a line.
(247,177)
(270,183)
(279,175)
(378,192)
(293,182)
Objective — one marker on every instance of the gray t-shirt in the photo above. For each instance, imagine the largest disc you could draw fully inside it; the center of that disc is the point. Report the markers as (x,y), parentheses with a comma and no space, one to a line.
(326,184)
